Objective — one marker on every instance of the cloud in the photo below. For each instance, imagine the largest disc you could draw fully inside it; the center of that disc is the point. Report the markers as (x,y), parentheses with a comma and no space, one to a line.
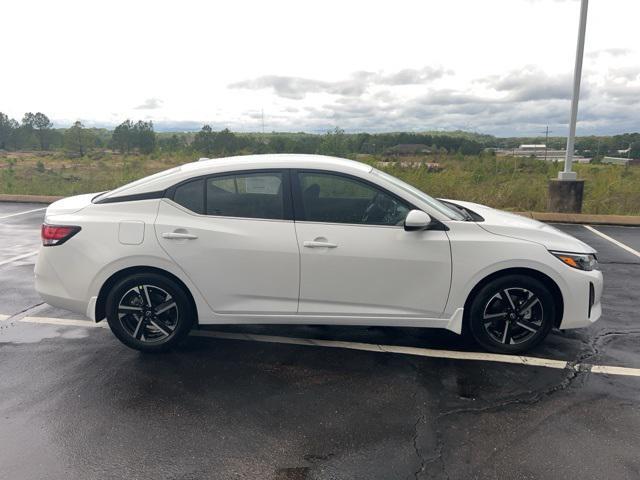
(411,76)
(450,97)
(624,74)
(296,88)
(614,52)
(627,94)
(531,83)
(521,102)
(150,104)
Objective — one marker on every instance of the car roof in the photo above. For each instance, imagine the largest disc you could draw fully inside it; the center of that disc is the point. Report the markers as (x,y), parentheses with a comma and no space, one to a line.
(167,178)
(279,160)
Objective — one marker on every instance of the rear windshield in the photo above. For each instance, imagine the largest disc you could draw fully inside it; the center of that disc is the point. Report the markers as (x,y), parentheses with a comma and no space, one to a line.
(135,183)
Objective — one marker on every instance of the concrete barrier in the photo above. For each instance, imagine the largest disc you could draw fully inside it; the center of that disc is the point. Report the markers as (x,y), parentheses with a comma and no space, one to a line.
(28,198)
(584,218)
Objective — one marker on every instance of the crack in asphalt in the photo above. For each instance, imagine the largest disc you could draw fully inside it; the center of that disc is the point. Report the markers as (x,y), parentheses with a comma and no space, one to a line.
(528,398)
(424,462)
(575,371)
(597,340)
(438,457)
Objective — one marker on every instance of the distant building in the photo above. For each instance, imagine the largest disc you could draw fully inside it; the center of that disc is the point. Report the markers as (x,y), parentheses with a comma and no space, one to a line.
(532,146)
(540,152)
(405,149)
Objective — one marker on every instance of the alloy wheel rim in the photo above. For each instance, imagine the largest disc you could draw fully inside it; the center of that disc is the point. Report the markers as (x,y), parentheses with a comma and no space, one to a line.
(513,316)
(148,313)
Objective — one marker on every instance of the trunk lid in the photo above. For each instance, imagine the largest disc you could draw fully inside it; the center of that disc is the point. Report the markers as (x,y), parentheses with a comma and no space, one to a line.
(69,204)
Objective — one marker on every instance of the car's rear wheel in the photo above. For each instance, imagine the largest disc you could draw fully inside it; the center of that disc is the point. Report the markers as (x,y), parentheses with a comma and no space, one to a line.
(512,314)
(149,312)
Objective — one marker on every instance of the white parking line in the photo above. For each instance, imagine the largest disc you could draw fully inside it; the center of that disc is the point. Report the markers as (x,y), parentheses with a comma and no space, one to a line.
(370,347)
(19,257)
(613,240)
(23,213)
(64,321)
(612,370)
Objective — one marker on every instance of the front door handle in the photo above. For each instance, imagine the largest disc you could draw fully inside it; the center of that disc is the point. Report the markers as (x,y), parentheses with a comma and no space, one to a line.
(316,244)
(179,236)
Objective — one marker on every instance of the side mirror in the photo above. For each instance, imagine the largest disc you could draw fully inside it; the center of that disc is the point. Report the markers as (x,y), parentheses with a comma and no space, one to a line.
(416,220)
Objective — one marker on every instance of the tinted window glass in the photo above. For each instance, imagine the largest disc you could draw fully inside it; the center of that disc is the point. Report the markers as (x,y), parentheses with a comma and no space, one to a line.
(253,195)
(338,199)
(191,195)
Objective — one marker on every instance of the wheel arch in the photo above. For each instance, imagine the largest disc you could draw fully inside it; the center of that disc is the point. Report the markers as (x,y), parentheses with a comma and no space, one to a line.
(115,277)
(548,281)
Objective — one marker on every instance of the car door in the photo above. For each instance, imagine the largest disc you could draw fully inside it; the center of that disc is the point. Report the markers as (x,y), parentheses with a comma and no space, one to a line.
(234,236)
(356,257)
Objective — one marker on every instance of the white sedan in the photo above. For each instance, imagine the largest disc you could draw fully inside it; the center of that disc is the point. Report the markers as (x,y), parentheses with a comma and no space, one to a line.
(306,239)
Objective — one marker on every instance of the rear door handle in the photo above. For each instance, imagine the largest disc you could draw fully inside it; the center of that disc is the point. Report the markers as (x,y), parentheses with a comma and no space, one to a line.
(314,244)
(179,235)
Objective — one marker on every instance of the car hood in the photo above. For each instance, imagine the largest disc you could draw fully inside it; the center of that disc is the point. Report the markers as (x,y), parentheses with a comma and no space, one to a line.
(517,226)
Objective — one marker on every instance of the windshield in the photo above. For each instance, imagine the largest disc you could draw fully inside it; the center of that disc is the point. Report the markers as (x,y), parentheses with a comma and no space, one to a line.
(432,202)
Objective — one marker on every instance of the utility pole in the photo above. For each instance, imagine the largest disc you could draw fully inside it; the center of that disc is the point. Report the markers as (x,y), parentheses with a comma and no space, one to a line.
(546,142)
(567,174)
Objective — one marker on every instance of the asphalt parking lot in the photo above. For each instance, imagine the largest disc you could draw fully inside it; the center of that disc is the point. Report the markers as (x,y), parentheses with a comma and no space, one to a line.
(76,404)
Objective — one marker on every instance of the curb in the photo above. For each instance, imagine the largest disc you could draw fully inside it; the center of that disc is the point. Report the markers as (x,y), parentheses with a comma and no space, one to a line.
(29,198)
(583,218)
(578,218)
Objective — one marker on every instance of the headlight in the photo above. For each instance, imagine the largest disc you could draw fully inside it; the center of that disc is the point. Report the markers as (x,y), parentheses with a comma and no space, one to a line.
(581,261)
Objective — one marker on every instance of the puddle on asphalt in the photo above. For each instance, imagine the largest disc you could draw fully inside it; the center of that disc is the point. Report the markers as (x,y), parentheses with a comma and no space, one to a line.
(18,332)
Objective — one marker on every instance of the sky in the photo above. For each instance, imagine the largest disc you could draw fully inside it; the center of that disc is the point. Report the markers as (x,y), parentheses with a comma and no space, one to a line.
(502,67)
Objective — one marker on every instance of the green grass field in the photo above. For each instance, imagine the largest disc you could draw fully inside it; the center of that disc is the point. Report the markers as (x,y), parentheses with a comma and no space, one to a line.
(507,183)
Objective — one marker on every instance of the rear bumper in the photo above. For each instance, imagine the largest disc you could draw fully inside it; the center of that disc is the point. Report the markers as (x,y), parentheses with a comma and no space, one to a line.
(582,299)
(51,288)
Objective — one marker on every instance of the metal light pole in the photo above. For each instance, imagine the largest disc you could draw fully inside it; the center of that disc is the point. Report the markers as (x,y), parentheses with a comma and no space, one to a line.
(567,174)
(565,192)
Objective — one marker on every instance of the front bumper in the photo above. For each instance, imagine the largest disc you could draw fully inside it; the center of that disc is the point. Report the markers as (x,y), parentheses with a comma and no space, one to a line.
(582,298)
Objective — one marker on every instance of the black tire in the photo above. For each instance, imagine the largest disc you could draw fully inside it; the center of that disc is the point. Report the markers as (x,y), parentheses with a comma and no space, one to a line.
(511,314)
(149,328)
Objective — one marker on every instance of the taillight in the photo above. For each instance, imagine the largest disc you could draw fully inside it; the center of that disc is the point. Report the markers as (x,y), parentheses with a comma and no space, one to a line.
(57,234)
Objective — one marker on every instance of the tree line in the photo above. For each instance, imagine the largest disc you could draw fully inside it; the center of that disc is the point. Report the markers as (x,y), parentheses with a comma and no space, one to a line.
(35,131)
(334,142)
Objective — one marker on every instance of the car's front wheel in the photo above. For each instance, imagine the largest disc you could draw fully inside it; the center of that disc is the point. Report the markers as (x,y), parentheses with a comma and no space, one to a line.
(149,312)
(512,314)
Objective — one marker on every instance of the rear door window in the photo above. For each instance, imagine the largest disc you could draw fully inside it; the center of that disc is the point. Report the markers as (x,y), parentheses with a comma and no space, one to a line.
(247,195)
